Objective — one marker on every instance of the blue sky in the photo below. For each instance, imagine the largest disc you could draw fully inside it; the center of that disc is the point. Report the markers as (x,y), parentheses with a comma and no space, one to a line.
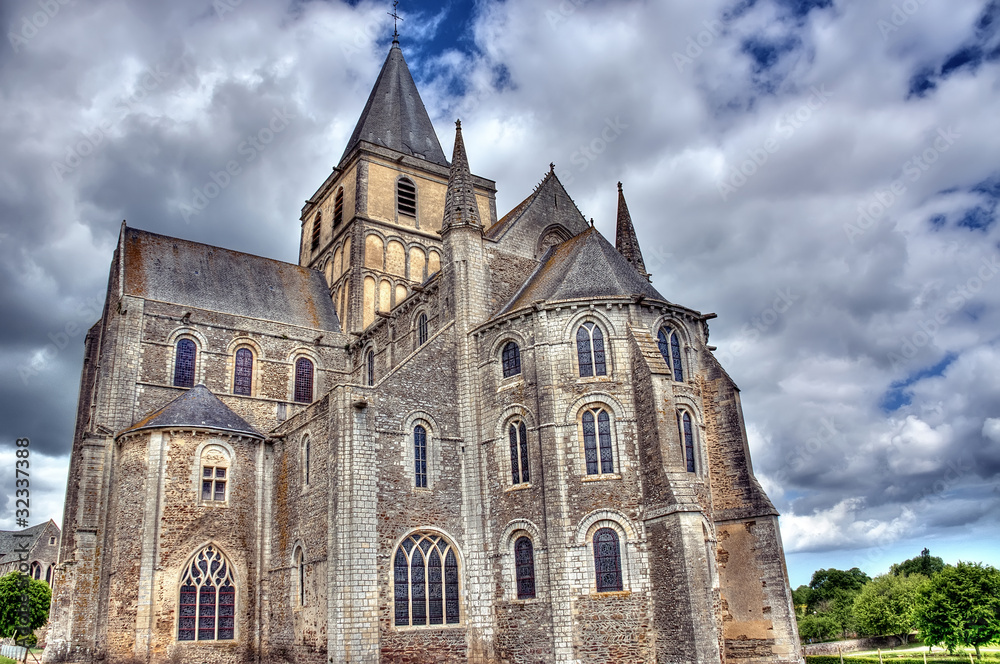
(822,174)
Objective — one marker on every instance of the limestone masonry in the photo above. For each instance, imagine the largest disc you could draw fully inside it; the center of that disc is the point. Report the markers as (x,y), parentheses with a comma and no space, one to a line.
(441,437)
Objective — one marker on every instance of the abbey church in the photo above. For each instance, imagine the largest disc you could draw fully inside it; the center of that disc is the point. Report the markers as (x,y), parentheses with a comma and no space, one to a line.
(441,436)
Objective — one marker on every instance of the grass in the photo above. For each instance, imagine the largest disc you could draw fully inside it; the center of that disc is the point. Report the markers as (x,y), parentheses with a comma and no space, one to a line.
(7,660)
(907,654)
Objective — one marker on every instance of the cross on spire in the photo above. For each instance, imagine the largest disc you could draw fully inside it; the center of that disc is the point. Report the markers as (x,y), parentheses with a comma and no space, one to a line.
(396,18)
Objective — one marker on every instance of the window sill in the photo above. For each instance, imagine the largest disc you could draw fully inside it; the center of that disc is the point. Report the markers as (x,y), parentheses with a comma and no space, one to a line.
(512,382)
(427,628)
(610,593)
(600,478)
(595,379)
(518,487)
(213,503)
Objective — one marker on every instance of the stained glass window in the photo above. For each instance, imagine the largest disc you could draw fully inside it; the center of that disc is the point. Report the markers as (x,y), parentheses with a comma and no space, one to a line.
(184,363)
(607,560)
(420,455)
(687,435)
(207,608)
(511,356)
(670,349)
(597,449)
(303,380)
(243,378)
(425,581)
(524,563)
(422,329)
(406,197)
(590,350)
(518,434)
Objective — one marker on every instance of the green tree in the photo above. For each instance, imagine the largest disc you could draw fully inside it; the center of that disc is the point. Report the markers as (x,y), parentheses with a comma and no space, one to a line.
(886,606)
(925,564)
(24,602)
(818,628)
(800,598)
(960,607)
(831,584)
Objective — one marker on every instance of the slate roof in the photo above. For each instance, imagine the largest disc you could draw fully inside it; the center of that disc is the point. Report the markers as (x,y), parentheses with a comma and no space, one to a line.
(395,117)
(8,542)
(199,408)
(583,267)
(626,241)
(460,206)
(550,186)
(201,276)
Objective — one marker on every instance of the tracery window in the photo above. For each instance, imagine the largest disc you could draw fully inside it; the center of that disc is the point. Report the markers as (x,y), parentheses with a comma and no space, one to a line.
(670,349)
(597,449)
(524,562)
(420,456)
(511,356)
(406,197)
(243,373)
(590,350)
(184,363)
(687,438)
(607,561)
(425,580)
(370,367)
(338,207)
(35,572)
(207,610)
(422,329)
(518,434)
(304,380)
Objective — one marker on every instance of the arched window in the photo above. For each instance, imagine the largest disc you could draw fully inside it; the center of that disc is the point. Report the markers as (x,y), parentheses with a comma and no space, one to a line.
(425,580)
(207,610)
(316,227)
(607,561)
(338,207)
(184,363)
(303,380)
(370,367)
(524,561)
(670,349)
(590,350)
(406,197)
(36,570)
(420,456)
(422,329)
(687,438)
(243,373)
(214,474)
(511,356)
(597,442)
(518,452)
(300,576)
(306,444)
(49,572)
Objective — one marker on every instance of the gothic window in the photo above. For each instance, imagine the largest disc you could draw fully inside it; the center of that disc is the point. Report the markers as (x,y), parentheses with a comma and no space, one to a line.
(36,570)
(524,562)
(518,452)
(607,561)
(303,380)
(207,610)
(422,329)
(338,207)
(406,197)
(420,456)
(590,350)
(49,571)
(425,580)
(300,576)
(184,363)
(687,438)
(670,349)
(511,356)
(243,374)
(316,227)
(597,442)
(370,367)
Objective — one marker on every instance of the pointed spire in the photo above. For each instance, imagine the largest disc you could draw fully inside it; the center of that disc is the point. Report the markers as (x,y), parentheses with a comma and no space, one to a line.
(460,206)
(626,241)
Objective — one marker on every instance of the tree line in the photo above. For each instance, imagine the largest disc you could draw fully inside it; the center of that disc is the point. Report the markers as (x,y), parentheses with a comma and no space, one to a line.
(954,606)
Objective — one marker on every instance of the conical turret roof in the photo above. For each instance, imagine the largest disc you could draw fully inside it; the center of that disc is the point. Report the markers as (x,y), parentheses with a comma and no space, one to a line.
(460,206)
(395,117)
(626,241)
(197,408)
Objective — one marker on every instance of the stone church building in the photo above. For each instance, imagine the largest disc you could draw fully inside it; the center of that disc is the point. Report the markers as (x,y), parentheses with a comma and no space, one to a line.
(442,436)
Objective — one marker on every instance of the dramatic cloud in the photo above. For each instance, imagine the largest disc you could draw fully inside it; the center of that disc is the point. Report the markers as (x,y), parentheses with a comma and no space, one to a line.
(822,174)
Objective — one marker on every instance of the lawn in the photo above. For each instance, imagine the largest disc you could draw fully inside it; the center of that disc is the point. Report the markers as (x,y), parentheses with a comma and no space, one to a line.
(908,654)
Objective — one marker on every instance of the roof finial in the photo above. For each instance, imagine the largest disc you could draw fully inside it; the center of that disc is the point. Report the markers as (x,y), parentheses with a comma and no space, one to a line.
(591,222)
(396,18)
(619,185)
(458,124)
(552,167)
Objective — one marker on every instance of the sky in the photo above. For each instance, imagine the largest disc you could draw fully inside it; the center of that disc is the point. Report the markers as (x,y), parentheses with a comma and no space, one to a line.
(822,174)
